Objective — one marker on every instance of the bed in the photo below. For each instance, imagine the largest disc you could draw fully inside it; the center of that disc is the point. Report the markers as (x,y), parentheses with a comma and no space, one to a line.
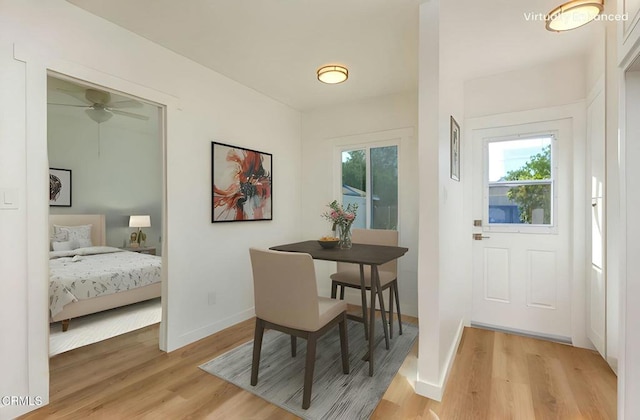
(92,277)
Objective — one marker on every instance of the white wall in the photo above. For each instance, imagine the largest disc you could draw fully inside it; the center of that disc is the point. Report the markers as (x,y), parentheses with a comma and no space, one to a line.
(116,169)
(376,119)
(202,106)
(444,288)
(545,85)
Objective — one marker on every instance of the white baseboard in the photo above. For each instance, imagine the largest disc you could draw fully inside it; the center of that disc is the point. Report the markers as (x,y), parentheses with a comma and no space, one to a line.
(436,391)
(207,330)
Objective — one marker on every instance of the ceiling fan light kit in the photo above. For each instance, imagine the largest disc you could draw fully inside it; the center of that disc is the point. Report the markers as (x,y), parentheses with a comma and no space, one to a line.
(98,115)
(332,74)
(573,14)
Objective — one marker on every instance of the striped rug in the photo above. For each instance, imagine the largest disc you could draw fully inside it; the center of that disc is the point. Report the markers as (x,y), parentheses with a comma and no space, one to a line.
(334,395)
(100,326)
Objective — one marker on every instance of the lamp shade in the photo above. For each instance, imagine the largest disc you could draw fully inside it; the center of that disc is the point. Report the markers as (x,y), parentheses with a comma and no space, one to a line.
(333,74)
(573,14)
(139,221)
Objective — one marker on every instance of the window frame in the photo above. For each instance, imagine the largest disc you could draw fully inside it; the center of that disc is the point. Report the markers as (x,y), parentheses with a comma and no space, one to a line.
(367,146)
(551,228)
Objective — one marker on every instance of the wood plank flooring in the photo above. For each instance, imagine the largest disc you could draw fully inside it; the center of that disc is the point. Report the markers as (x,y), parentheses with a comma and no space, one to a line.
(495,376)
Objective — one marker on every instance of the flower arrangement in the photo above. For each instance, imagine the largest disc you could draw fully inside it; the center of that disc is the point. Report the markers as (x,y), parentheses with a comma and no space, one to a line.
(342,219)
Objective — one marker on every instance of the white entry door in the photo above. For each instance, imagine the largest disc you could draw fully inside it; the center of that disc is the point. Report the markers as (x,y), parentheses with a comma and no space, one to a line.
(522,246)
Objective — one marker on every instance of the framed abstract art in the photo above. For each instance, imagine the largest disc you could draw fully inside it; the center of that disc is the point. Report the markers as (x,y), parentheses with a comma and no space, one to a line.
(455,150)
(241,184)
(59,187)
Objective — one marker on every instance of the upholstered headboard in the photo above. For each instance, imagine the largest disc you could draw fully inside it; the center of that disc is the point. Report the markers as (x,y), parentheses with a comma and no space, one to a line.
(98,231)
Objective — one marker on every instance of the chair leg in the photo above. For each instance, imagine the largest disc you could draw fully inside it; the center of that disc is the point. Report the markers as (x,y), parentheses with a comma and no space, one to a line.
(395,292)
(257,347)
(342,292)
(334,287)
(391,312)
(344,344)
(308,370)
(294,346)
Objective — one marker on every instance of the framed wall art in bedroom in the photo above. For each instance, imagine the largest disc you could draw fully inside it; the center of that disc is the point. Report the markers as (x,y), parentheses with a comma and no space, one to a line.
(241,184)
(59,187)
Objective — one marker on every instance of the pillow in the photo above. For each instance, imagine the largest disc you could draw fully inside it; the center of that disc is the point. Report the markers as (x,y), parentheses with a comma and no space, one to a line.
(58,237)
(63,245)
(81,235)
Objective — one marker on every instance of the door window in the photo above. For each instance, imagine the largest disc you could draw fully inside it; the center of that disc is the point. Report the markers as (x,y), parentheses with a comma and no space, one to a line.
(519,182)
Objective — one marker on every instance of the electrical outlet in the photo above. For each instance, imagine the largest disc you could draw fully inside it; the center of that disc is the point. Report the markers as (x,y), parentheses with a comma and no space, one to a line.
(212,298)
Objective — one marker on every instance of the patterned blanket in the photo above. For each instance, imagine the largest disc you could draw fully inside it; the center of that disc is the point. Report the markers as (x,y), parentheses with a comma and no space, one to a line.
(96,271)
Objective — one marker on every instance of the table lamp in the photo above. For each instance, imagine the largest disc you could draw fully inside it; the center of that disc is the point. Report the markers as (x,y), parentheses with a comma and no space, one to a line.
(139,222)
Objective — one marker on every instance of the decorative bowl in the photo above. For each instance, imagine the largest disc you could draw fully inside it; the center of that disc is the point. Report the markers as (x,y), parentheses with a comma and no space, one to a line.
(328,242)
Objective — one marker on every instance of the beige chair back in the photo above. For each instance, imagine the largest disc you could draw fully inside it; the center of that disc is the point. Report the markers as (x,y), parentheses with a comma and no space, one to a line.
(284,288)
(373,237)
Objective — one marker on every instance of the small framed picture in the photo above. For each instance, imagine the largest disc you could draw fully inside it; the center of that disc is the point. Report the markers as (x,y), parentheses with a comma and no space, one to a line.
(455,150)
(59,187)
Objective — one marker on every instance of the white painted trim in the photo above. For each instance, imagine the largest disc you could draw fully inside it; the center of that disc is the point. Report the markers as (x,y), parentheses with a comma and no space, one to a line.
(38,65)
(436,391)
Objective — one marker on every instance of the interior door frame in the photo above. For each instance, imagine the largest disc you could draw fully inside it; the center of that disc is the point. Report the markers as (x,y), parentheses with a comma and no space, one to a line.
(37,68)
(577,113)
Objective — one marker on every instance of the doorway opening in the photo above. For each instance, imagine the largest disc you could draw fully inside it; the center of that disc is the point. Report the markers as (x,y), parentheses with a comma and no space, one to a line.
(106,159)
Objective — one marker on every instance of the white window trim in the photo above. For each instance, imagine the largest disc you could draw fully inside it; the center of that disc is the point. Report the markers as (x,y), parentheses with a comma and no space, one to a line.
(513,227)
(365,141)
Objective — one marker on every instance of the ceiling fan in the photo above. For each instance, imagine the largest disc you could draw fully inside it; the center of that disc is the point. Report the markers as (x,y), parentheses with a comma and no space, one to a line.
(99,106)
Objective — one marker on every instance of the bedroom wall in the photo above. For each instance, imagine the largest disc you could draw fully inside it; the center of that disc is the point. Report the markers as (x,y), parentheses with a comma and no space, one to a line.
(374,119)
(201,259)
(116,168)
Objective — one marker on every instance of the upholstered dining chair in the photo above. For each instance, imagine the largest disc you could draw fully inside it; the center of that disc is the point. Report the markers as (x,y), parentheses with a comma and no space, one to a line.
(348,275)
(286,300)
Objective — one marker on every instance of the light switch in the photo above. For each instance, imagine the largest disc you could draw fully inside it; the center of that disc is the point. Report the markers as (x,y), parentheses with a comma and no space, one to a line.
(8,198)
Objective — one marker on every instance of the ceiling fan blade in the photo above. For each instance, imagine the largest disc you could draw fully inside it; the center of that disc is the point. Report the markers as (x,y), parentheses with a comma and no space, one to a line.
(76,106)
(129,103)
(79,95)
(129,114)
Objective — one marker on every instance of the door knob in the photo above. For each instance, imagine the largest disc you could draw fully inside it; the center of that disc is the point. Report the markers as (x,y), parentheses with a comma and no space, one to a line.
(479,237)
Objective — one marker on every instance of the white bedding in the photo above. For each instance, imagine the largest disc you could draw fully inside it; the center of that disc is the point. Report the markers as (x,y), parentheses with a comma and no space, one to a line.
(85,273)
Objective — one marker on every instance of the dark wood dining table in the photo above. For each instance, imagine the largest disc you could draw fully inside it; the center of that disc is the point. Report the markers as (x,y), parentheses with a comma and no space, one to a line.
(361,254)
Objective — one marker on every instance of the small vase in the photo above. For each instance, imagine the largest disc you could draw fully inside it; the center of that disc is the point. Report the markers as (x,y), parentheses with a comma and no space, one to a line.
(344,233)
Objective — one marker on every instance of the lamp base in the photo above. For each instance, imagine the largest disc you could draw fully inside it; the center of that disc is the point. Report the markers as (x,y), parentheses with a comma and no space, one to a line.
(134,245)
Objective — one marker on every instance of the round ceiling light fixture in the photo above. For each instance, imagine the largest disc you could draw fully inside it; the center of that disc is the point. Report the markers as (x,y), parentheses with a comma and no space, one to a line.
(333,74)
(573,14)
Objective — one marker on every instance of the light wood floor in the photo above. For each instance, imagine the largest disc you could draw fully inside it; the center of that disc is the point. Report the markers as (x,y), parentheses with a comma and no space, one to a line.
(495,376)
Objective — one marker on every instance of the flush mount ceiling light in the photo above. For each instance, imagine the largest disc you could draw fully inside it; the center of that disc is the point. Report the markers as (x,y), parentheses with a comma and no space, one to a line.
(573,14)
(333,74)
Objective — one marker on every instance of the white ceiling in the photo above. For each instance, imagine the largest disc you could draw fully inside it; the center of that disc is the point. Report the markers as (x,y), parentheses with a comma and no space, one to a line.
(275,46)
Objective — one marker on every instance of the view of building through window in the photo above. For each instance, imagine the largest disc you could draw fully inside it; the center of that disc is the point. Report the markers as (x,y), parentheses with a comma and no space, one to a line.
(370,179)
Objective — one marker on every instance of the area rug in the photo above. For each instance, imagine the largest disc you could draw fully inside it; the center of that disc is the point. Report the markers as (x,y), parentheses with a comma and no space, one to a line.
(100,326)
(334,394)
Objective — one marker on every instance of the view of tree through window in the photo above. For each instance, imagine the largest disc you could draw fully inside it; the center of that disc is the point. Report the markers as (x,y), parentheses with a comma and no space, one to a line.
(520,181)
(379,193)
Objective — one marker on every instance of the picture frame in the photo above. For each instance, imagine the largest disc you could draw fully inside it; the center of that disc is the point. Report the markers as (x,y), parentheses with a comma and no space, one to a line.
(241,184)
(60,187)
(455,150)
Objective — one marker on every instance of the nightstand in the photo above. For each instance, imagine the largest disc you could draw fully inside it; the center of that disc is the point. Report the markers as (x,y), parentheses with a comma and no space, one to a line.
(151,250)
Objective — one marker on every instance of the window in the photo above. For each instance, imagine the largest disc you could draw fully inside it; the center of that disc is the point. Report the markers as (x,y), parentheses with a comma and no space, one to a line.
(370,179)
(520,181)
